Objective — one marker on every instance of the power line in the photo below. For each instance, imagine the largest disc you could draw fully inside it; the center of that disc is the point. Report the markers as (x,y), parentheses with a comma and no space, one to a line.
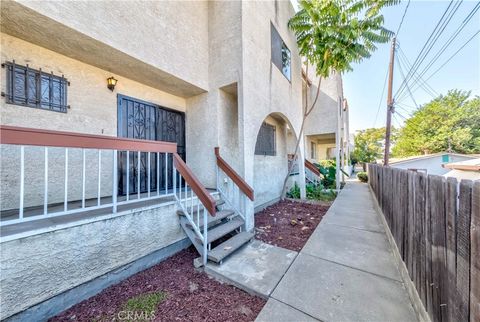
(451,39)
(454,54)
(429,44)
(408,87)
(403,17)
(423,84)
(381,98)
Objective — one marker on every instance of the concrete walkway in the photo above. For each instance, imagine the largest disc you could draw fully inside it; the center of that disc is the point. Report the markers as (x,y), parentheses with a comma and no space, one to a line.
(345,272)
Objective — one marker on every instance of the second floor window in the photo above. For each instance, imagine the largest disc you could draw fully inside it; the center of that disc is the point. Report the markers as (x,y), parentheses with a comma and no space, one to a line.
(34,88)
(281,56)
(266,140)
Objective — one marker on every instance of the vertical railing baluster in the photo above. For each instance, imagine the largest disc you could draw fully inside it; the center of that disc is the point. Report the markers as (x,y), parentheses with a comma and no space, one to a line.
(180,190)
(99,176)
(166,172)
(128,175)
(45,189)
(138,174)
(148,175)
(158,174)
(174,178)
(205,237)
(114,182)
(198,212)
(83,178)
(186,193)
(22,181)
(65,193)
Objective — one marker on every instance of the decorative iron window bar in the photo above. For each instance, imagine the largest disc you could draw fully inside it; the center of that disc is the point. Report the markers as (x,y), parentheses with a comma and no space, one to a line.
(266,142)
(35,88)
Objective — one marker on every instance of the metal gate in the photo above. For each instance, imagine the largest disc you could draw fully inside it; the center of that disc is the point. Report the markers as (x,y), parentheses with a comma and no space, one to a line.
(146,121)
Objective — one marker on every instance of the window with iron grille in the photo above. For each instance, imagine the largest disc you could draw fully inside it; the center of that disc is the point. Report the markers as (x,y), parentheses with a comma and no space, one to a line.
(281,56)
(266,140)
(34,88)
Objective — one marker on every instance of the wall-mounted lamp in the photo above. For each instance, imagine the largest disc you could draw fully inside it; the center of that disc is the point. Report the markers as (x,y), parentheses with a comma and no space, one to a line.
(111,82)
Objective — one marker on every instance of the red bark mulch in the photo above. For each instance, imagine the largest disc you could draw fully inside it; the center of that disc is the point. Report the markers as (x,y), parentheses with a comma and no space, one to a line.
(289,224)
(191,296)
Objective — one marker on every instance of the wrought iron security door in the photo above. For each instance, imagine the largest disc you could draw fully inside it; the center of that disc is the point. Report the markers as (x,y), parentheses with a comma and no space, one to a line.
(142,120)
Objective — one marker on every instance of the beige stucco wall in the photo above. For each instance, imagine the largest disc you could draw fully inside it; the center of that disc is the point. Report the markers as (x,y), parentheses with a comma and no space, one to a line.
(41,266)
(270,170)
(212,117)
(168,35)
(93,111)
(93,106)
(265,88)
(323,118)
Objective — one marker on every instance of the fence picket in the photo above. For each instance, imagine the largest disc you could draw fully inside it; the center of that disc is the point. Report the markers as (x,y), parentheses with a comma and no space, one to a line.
(463,251)
(475,255)
(428,247)
(438,226)
(411,226)
(451,242)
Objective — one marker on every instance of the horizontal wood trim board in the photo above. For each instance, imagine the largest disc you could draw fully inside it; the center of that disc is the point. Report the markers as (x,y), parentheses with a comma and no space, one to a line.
(37,137)
(242,184)
(202,193)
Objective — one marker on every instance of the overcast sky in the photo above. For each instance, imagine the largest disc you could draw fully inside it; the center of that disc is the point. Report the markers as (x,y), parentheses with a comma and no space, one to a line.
(363,86)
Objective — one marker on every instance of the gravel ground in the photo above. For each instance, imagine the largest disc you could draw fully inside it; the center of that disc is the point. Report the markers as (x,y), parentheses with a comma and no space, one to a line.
(289,224)
(191,296)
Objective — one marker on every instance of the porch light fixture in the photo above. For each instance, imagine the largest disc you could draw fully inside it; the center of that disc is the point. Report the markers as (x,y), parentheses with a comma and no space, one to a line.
(111,82)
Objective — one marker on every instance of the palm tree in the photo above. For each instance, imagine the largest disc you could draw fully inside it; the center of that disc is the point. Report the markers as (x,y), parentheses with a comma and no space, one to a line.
(334,34)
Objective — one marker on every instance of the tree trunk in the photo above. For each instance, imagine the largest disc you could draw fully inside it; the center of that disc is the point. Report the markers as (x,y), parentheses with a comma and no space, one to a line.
(300,134)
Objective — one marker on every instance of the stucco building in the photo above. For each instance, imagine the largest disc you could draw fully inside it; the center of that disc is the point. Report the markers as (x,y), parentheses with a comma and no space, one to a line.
(200,74)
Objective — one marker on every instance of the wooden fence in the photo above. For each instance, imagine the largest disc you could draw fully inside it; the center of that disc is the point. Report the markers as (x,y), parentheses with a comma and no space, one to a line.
(436,225)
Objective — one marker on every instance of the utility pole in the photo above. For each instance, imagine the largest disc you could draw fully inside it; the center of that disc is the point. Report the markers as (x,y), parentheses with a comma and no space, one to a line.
(390,108)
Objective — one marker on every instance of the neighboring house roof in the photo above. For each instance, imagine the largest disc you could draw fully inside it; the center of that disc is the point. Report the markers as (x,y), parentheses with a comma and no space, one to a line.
(468,165)
(428,156)
(463,175)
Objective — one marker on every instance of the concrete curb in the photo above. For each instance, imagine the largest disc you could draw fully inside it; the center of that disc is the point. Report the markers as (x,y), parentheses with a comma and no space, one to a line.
(417,304)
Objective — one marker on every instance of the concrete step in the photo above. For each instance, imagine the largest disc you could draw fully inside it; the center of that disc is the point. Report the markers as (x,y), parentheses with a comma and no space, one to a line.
(221,230)
(212,221)
(220,202)
(228,247)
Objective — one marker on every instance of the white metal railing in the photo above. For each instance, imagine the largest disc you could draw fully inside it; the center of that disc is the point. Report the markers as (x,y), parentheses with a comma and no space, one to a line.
(195,202)
(312,177)
(106,151)
(231,194)
(233,189)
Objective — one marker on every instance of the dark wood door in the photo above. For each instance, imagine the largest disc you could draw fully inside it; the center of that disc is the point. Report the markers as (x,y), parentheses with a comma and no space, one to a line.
(146,121)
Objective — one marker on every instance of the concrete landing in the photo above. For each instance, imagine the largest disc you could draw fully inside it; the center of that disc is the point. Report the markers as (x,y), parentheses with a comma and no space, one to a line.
(256,268)
(345,272)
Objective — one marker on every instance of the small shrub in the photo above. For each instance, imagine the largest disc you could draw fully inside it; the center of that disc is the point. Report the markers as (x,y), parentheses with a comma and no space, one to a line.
(294,192)
(362,176)
(318,192)
(314,192)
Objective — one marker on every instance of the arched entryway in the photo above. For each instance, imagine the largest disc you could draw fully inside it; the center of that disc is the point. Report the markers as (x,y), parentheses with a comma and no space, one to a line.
(275,145)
